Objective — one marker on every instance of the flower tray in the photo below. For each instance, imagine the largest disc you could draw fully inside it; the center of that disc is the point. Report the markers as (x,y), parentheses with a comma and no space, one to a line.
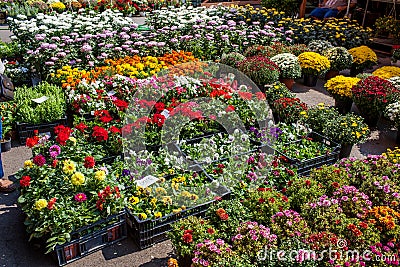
(26,130)
(92,238)
(305,166)
(147,233)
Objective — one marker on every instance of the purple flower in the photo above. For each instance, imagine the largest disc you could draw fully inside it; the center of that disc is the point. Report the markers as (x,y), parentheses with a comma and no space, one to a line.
(54,151)
(220,242)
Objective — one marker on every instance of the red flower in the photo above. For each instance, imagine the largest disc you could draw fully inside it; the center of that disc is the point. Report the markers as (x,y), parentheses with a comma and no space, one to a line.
(211,231)
(187,238)
(224,216)
(158,119)
(159,106)
(99,133)
(230,108)
(121,104)
(271,199)
(245,95)
(50,204)
(114,130)
(89,162)
(54,163)
(32,141)
(308,182)
(81,127)
(335,184)
(260,96)
(261,200)
(63,134)
(25,181)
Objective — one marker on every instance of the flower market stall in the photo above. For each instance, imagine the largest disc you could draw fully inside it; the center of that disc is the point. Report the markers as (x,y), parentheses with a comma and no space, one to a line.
(187,132)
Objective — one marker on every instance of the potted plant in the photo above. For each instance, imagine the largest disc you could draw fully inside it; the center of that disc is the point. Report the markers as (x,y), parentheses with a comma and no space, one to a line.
(387,72)
(7,110)
(261,70)
(395,58)
(339,88)
(319,46)
(289,109)
(371,95)
(232,59)
(313,65)
(289,66)
(347,130)
(392,112)
(339,58)
(363,58)
(274,92)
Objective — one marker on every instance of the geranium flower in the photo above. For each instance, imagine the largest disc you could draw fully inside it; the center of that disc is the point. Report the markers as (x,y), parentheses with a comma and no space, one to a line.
(51,203)
(100,134)
(25,181)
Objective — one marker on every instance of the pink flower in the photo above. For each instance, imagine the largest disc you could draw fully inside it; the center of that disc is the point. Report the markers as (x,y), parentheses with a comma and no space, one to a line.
(80,197)
(54,151)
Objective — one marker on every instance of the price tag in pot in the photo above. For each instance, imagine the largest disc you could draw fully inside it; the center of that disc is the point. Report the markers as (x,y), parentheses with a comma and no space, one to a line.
(146,181)
(165,113)
(40,99)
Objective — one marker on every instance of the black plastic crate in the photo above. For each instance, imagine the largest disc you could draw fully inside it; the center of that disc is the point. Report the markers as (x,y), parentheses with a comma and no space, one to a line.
(110,159)
(305,166)
(26,130)
(92,238)
(146,233)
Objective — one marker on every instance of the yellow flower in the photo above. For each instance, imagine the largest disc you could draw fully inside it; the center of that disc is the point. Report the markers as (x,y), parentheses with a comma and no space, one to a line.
(133,200)
(313,63)
(177,210)
(28,164)
(158,214)
(72,139)
(100,175)
(387,72)
(78,178)
(40,204)
(69,167)
(143,216)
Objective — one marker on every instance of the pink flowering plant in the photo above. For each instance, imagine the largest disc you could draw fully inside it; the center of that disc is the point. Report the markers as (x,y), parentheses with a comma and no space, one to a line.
(289,224)
(353,202)
(209,252)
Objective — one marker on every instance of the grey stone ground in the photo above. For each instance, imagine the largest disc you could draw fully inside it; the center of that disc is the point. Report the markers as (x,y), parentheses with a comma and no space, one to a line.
(15,251)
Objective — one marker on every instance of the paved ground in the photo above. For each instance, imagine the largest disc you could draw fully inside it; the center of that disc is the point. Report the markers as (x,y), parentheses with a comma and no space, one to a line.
(16,251)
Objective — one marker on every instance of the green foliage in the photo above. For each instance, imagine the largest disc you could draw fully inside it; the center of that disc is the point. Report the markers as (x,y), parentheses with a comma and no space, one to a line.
(50,110)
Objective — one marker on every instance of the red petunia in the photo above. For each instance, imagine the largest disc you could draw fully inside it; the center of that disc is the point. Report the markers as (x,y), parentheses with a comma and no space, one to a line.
(25,181)
(159,106)
(100,134)
(89,162)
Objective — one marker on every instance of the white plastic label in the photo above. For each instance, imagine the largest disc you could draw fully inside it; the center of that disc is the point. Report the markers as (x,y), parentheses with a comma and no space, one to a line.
(165,113)
(146,181)
(40,99)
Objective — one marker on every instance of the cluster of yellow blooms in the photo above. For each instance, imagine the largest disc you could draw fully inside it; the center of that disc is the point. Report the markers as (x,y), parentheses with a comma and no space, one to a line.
(340,86)
(393,155)
(133,67)
(313,63)
(387,72)
(363,55)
